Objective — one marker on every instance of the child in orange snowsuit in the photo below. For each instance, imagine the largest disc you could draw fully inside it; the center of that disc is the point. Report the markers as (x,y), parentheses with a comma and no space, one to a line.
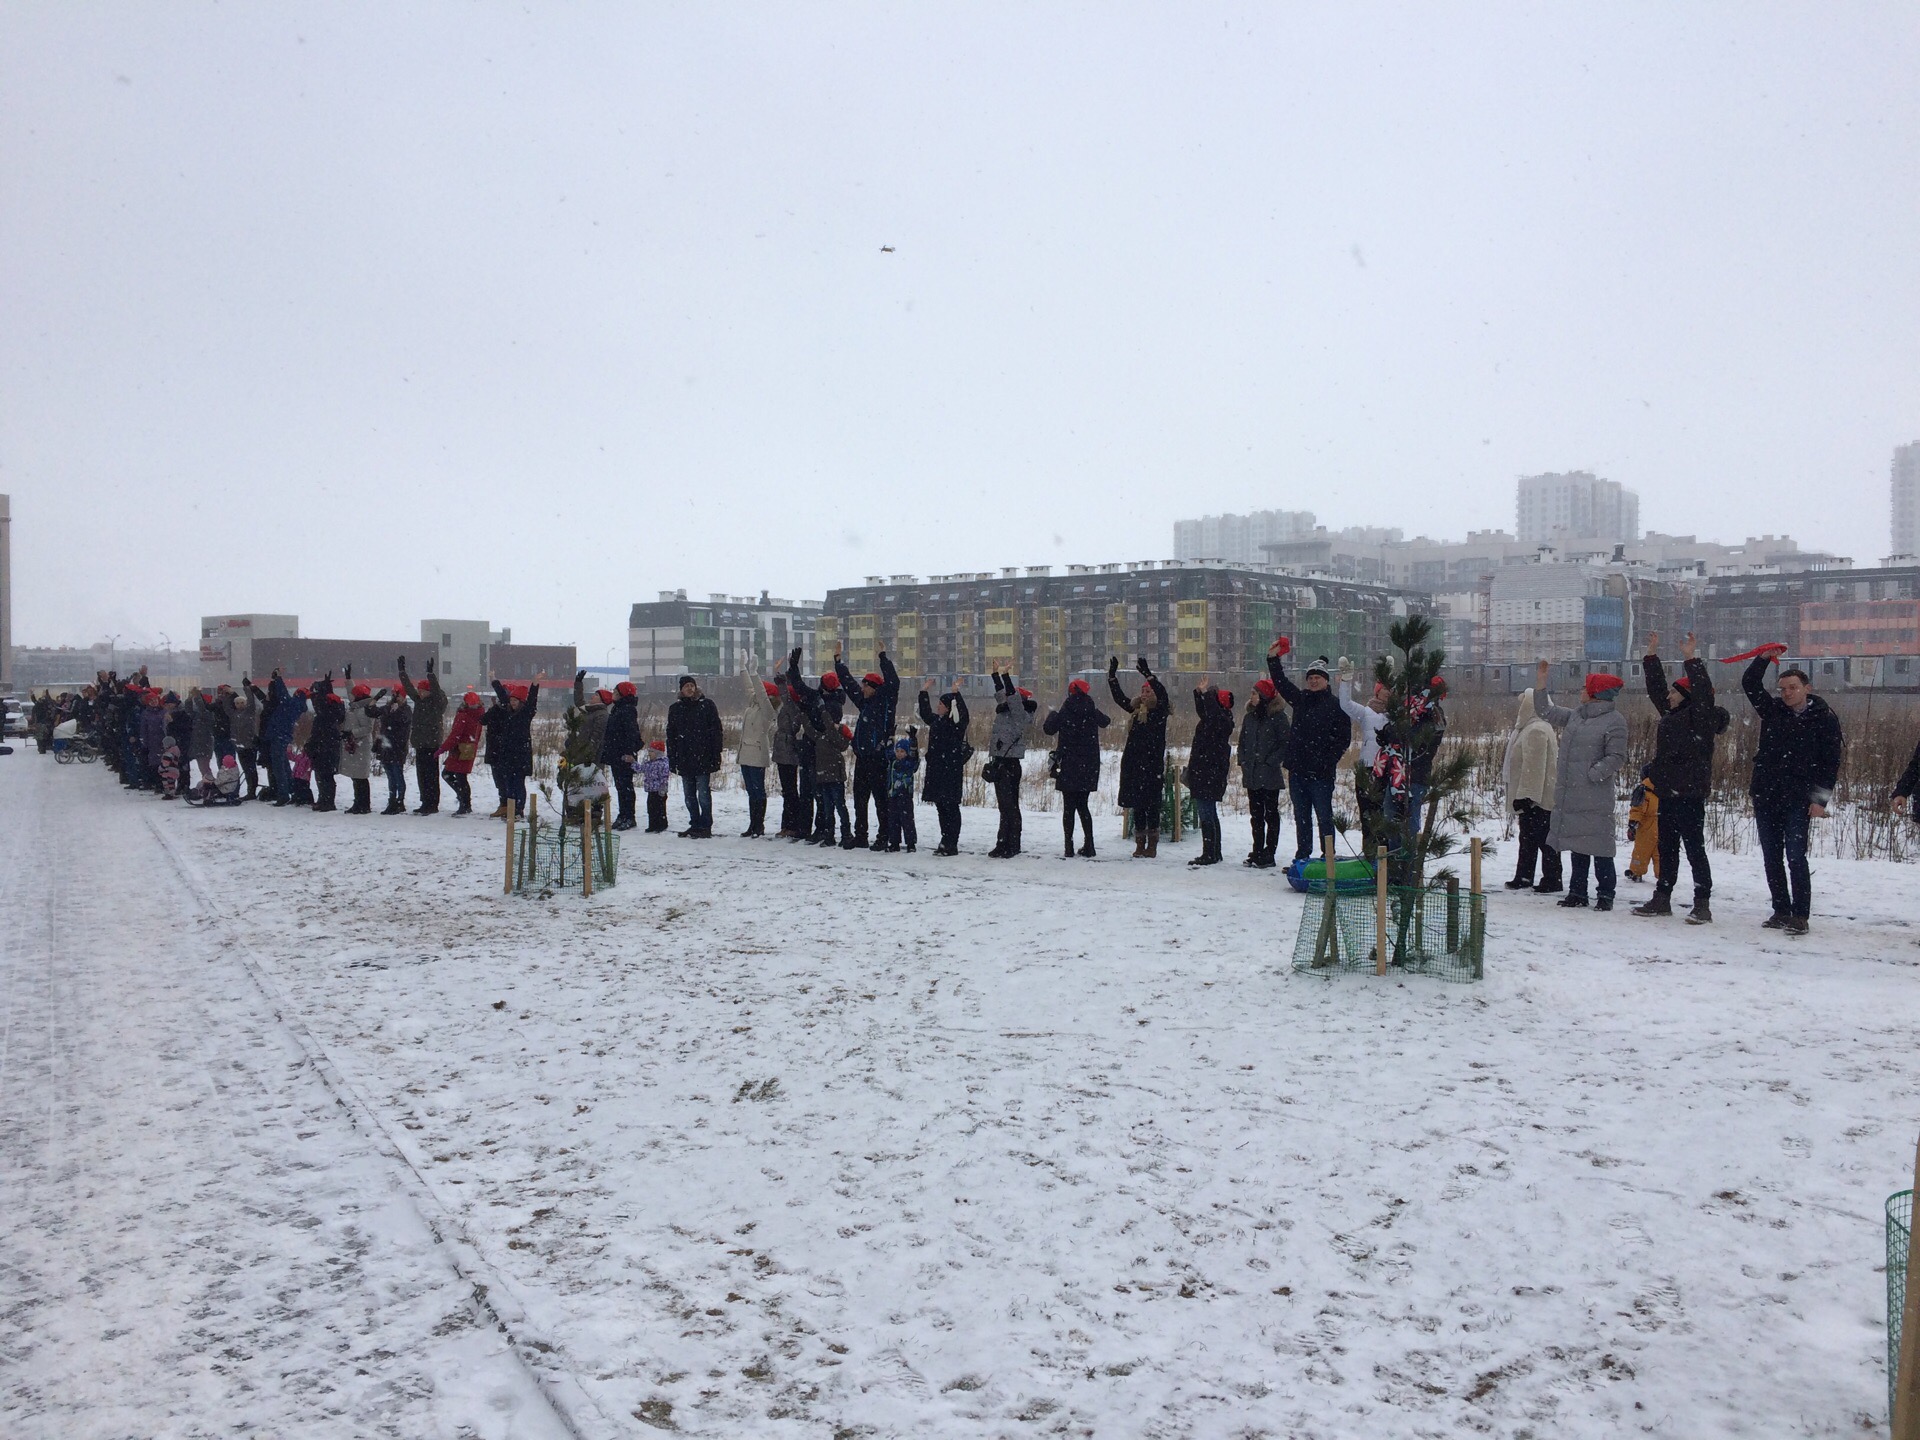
(1643,828)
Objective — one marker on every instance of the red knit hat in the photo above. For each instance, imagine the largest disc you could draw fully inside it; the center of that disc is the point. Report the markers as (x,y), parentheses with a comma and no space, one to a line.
(873,678)
(1685,682)
(362,691)
(830,681)
(426,686)
(605,697)
(1025,694)
(517,689)
(1264,689)
(471,699)
(1225,697)
(1079,687)
(626,688)
(1598,685)
(773,690)
(845,733)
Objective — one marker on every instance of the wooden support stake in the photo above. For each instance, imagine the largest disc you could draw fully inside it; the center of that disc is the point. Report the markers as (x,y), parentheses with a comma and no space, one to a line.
(1329,919)
(1906,1387)
(1380,910)
(1474,866)
(1177,817)
(586,846)
(1476,914)
(507,889)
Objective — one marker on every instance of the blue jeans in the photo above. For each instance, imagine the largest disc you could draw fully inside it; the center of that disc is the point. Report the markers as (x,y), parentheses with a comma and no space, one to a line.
(754,777)
(698,792)
(1312,807)
(396,781)
(829,803)
(1602,874)
(1415,808)
(1207,810)
(1783,847)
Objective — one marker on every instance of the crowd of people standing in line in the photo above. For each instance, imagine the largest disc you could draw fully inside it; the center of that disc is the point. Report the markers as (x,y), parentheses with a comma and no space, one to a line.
(1562,778)
(291,746)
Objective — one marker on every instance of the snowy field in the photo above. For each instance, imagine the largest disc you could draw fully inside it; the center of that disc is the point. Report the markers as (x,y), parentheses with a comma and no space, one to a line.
(309,1131)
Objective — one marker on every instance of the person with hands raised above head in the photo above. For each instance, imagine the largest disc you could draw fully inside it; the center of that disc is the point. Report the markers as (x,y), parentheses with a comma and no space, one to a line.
(1316,742)
(1263,750)
(1209,763)
(1795,770)
(946,763)
(876,697)
(1013,712)
(789,750)
(1143,763)
(1681,775)
(429,728)
(1368,720)
(1593,748)
(322,747)
(1076,759)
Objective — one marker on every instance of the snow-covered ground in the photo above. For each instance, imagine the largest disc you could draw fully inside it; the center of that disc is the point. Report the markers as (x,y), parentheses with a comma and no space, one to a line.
(770,1142)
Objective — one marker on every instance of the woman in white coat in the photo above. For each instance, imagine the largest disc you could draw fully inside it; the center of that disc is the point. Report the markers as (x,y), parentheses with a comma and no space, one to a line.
(756,751)
(1533,757)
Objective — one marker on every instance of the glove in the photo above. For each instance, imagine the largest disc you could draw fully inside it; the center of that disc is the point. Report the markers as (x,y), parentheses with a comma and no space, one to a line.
(401,662)
(1113,665)
(349,671)
(1141,666)
(578,676)
(1286,646)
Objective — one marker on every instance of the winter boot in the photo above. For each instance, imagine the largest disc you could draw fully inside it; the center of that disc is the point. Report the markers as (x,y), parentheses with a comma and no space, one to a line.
(1139,844)
(1658,903)
(1518,884)
(1574,902)
(1153,845)
(499,814)
(1702,912)
(1604,902)
(394,807)
(1069,850)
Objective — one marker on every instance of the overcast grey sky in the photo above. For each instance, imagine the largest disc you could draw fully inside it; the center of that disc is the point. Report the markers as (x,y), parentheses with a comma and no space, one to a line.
(376,312)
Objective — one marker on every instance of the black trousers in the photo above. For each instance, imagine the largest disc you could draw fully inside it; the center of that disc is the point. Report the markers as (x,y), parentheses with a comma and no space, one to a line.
(1006,794)
(426,774)
(949,813)
(869,782)
(249,757)
(1072,803)
(1265,808)
(789,798)
(462,791)
(656,811)
(1684,820)
(1534,824)
(323,786)
(623,787)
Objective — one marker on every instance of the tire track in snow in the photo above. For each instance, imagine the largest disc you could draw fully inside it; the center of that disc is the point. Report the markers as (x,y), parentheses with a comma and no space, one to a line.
(573,1406)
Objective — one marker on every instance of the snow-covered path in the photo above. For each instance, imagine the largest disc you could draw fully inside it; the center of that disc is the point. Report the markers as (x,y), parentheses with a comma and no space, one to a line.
(194,1240)
(770,1142)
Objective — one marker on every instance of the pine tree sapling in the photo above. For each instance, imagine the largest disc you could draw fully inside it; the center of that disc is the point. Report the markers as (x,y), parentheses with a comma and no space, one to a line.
(1412,814)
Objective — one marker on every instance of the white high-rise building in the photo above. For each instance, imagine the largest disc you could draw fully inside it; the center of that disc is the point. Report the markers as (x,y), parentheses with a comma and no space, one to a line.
(1239,539)
(1577,505)
(1906,499)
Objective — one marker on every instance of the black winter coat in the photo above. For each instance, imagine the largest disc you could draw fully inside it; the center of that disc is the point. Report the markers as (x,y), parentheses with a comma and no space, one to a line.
(1321,730)
(323,741)
(1909,778)
(1077,723)
(1799,758)
(621,739)
(1211,759)
(510,738)
(946,762)
(693,736)
(1684,743)
(1143,764)
(1263,746)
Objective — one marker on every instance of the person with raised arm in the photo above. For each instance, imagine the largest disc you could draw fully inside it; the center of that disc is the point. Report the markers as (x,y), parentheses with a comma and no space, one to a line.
(1318,739)
(1681,775)
(1593,748)
(946,763)
(1143,763)
(1013,712)
(876,697)
(1795,770)
(1076,759)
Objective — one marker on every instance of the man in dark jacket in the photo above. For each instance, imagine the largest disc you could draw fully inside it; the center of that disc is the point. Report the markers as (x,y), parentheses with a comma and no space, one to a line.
(1263,749)
(1318,738)
(694,754)
(1682,776)
(620,747)
(1794,772)
(876,697)
(428,729)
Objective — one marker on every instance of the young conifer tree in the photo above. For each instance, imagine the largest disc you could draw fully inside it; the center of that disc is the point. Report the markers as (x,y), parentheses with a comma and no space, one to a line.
(1416,723)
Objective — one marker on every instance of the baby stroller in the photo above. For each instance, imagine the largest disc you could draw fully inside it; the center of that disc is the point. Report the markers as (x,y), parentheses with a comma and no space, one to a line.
(70,745)
(223,789)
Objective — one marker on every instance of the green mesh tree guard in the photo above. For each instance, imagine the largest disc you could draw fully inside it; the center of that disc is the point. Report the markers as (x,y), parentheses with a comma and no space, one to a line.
(1899,1235)
(547,857)
(1439,930)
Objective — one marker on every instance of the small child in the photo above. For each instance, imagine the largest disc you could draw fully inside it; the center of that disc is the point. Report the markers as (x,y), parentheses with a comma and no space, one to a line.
(1643,828)
(655,774)
(170,781)
(900,772)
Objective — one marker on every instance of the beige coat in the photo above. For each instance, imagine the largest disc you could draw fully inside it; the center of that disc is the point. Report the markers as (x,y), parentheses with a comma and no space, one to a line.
(356,764)
(756,725)
(1533,757)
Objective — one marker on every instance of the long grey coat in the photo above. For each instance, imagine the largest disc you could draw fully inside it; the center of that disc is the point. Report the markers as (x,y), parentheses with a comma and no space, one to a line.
(356,764)
(1592,751)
